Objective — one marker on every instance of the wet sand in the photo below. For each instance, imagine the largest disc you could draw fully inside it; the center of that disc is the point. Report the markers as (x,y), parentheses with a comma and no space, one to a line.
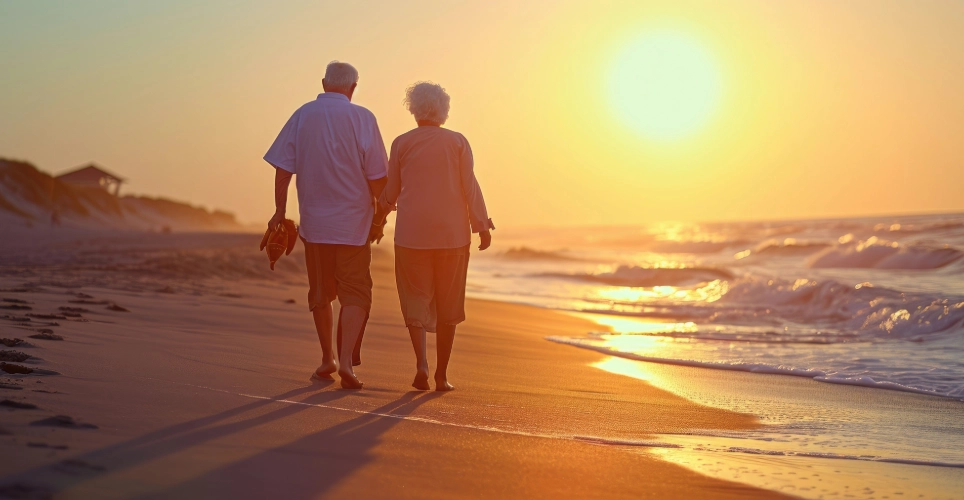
(202,390)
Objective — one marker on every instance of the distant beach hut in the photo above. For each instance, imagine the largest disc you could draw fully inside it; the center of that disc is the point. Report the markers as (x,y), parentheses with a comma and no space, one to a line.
(91,175)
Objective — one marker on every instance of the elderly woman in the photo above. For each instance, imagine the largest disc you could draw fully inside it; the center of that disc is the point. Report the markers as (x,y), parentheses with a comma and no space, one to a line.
(432,183)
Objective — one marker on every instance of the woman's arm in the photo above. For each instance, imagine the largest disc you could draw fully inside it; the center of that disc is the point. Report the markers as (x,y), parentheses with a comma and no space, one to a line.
(478,215)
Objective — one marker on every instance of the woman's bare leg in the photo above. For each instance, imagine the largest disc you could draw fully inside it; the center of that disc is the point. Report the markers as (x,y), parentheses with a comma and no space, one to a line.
(444,340)
(421,360)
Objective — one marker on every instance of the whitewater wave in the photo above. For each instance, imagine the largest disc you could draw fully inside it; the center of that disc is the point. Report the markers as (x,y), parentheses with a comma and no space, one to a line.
(526,253)
(806,311)
(950,389)
(694,247)
(633,276)
(876,253)
(789,247)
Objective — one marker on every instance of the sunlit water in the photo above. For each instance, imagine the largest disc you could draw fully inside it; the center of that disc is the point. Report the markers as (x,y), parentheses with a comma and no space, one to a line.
(876,302)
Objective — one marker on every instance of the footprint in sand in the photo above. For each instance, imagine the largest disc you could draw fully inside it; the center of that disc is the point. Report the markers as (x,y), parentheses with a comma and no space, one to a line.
(46,335)
(15,356)
(47,316)
(64,421)
(20,490)
(45,445)
(9,403)
(18,319)
(15,307)
(72,466)
(15,369)
(78,310)
(89,302)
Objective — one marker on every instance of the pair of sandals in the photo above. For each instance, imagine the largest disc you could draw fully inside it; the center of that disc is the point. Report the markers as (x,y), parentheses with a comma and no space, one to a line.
(280,240)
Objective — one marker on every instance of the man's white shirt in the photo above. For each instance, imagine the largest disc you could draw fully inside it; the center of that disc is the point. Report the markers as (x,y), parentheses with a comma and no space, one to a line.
(334,148)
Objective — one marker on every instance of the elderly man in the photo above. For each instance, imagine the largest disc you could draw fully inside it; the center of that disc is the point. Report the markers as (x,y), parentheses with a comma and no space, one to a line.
(336,151)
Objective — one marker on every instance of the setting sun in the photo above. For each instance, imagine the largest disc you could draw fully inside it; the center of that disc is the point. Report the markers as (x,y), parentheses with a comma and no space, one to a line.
(664,85)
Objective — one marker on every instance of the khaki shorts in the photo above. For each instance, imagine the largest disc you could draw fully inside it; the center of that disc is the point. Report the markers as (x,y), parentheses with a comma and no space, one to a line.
(339,271)
(431,285)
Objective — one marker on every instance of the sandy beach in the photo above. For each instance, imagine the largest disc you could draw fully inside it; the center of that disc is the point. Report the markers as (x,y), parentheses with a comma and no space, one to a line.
(201,389)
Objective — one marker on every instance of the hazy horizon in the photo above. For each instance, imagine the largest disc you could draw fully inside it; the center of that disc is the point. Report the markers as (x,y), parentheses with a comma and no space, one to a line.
(812,110)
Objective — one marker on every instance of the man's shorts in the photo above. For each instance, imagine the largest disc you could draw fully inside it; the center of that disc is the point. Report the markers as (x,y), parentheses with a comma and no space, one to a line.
(339,271)
(431,285)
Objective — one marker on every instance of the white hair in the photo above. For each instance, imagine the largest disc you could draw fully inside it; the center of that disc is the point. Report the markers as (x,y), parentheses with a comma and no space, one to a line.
(340,75)
(427,101)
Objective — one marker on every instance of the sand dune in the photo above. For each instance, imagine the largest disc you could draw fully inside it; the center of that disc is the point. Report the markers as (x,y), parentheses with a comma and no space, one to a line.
(30,198)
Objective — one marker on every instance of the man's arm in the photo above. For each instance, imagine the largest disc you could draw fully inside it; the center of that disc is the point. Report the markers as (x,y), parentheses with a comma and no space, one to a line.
(282,178)
(377,230)
(377,187)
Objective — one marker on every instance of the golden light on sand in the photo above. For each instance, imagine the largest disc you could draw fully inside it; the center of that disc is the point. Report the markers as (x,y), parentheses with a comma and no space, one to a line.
(665,85)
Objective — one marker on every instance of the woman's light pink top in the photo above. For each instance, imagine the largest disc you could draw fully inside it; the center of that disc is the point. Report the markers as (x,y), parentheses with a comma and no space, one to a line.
(432,181)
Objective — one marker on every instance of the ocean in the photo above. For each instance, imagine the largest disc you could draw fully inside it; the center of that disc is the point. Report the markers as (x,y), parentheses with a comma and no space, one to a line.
(876,302)
(871,301)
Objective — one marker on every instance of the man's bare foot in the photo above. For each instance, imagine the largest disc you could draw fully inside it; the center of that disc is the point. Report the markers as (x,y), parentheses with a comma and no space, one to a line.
(324,371)
(421,381)
(443,385)
(349,380)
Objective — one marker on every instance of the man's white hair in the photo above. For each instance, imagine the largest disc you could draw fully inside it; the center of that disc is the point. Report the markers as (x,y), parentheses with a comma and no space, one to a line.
(340,75)
(427,101)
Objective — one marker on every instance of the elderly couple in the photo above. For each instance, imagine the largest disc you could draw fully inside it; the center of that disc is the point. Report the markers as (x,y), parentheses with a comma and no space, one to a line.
(346,189)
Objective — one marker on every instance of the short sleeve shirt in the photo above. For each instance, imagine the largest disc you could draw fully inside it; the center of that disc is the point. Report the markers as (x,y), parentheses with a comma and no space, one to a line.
(334,148)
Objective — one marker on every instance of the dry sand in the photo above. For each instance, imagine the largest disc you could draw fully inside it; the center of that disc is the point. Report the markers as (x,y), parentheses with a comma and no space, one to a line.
(201,390)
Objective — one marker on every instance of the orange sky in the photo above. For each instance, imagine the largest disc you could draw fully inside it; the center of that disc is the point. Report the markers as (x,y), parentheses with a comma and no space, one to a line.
(827,108)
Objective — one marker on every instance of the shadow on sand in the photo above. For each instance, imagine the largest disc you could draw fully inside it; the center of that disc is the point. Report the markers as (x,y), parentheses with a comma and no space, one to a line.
(301,469)
(307,467)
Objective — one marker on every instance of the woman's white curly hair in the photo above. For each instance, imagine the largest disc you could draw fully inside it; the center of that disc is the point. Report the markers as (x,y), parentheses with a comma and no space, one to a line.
(427,101)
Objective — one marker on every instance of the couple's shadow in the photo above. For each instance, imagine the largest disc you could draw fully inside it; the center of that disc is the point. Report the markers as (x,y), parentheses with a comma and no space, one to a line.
(303,468)
(306,467)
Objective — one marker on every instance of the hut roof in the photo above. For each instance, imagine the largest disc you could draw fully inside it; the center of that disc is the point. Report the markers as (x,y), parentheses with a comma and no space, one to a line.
(88,173)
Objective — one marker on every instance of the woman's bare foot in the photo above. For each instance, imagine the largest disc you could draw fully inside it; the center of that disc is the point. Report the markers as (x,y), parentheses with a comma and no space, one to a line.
(421,380)
(324,371)
(443,385)
(349,380)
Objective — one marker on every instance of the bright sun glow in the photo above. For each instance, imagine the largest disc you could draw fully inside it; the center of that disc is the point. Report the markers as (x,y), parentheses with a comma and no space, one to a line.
(664,85)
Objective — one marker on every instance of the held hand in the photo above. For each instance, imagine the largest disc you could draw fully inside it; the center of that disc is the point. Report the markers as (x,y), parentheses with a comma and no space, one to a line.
(486,237)
(276,219)
(376,233)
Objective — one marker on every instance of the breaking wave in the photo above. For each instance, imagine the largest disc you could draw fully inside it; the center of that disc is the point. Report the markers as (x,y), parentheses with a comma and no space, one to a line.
(633,276)
(880,254)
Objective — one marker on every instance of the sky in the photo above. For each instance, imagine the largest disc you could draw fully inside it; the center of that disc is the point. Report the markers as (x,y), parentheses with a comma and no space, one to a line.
(808,109)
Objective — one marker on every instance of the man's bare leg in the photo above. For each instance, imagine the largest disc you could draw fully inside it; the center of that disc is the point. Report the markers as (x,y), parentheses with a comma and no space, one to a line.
(352,320)
(421,360)
(323,321)
(444,340)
